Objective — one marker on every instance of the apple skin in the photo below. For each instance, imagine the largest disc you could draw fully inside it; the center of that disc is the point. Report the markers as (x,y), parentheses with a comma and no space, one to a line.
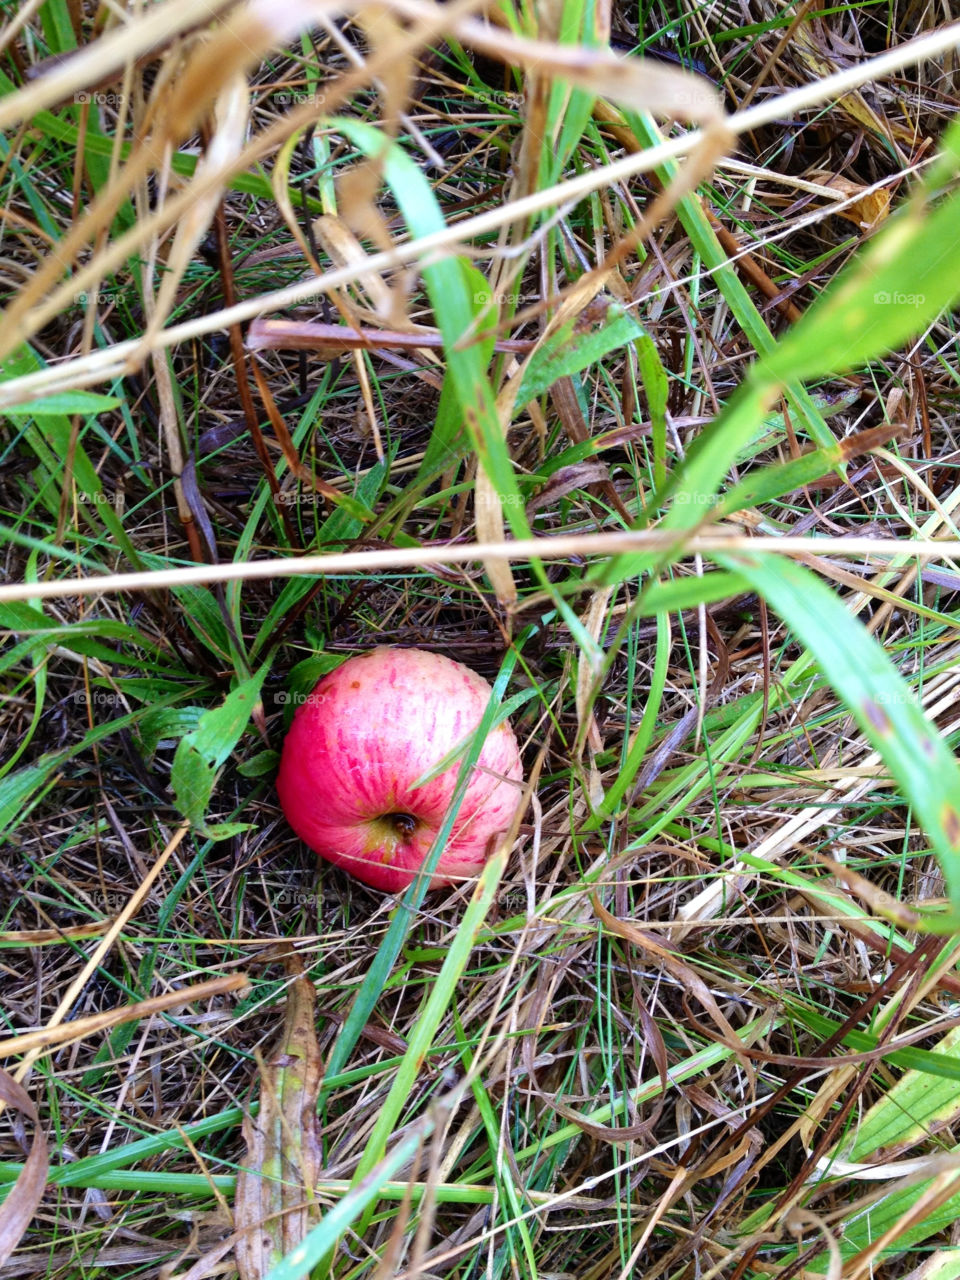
(355,748)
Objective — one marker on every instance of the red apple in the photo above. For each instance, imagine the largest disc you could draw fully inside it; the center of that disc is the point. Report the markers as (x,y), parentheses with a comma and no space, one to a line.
(359,743)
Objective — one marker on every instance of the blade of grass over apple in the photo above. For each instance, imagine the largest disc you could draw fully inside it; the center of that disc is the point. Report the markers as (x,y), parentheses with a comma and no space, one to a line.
(880,701)
(383,962)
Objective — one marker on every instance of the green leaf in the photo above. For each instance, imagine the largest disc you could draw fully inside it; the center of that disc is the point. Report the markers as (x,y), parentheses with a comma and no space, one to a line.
(202,751)
(689,593)
(917,1105)
(49,437)
(21,789)
(402,918)
(66,402)
(161,723)
(570,350)
(656,386)
(227,830)
(262,763)
(883,705)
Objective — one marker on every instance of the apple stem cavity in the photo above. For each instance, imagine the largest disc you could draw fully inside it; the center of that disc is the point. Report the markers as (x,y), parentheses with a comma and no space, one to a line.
(405,824)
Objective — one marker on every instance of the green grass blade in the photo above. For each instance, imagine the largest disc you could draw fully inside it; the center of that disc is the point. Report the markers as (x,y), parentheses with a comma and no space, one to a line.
(883,705)
(459,297)
(441,994)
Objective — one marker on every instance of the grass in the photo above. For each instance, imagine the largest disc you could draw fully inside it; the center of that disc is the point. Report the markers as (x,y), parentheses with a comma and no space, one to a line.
(697,526)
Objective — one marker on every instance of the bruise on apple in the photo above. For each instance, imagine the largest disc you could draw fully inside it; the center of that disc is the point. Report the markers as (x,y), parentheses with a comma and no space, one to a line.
(366,734)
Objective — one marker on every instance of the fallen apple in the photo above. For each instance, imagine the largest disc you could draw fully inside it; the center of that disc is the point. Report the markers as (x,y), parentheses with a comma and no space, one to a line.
(359,743)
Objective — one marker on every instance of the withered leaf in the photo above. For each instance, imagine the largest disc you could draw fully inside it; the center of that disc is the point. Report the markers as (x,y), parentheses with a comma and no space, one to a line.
(25,1194)
(567,480)
(868,209)
(274,1207)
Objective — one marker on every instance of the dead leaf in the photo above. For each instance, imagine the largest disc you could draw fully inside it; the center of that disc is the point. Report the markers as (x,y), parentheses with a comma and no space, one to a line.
(638,83)
(344,249)
(488,514)
(274,1208)
(589,667)
(866,212)
(60,1033)
(334,339)
(26,1193)
(578,475)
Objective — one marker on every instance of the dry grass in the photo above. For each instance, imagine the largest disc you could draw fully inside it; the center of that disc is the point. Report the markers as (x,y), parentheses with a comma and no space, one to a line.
(654,1055)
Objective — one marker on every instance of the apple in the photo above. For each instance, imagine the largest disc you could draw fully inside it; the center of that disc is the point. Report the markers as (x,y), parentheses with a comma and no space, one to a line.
(359,743)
